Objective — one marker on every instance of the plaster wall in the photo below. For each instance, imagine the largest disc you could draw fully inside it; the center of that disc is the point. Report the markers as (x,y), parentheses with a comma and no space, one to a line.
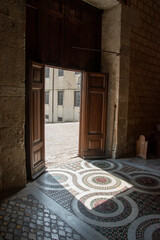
(12,95)
(69,83)
(49,87)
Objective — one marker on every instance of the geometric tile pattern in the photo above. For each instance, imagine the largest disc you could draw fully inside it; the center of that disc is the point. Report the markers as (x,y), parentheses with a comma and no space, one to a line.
(25,218)
(117,200)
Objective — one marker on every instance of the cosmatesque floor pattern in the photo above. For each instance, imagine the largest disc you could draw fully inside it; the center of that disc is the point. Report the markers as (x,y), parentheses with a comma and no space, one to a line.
(99,199)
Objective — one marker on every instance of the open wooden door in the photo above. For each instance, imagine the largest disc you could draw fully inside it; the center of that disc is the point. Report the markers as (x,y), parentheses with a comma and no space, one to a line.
(93,115)
(35,119)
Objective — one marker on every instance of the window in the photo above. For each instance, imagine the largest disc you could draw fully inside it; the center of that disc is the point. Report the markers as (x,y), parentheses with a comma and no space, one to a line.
(60,119)
(76,73)
(47,72)
(60,73)
(47,97)
(77,98)
(60,98)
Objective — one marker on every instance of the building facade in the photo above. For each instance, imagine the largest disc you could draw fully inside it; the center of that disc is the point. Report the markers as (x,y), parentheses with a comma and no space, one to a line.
(62,95)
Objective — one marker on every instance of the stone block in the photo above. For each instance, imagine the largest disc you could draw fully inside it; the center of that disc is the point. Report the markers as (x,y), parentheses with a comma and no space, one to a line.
(13,167)
(12,94)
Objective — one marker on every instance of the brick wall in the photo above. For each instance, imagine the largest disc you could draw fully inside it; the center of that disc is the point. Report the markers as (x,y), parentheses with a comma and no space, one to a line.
(144,84)
(12,94)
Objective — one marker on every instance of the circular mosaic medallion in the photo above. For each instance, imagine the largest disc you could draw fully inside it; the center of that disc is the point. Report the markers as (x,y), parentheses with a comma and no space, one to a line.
(106,165)
(147,181)
(101,180)
(103,210)
(56,178)
(102,165)
(146,227)
(102,205)
(156,234)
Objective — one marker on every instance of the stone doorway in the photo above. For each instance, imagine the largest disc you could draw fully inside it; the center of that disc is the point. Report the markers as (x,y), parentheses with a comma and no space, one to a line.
(62,112)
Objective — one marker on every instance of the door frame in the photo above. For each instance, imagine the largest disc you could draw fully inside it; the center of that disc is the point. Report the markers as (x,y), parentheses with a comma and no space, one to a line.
(28,121)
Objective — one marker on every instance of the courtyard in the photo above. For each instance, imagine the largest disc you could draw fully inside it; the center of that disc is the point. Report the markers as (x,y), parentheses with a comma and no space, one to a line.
(61,142)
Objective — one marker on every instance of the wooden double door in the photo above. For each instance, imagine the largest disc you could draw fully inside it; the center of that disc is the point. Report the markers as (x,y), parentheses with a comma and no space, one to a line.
(92,133)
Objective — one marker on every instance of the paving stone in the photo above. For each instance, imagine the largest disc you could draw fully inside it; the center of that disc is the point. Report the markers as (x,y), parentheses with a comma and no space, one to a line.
(17,232)
(9,210)
(53,217)
(60,223)
(62,233)
(10,230)
(32,225)
(2,213)
(67,229)
(47,229)
(32,236)
(3,229)
(47,234)
(40,233)
(39,238)
(76,237)
(25,234)
(40,214)
(46,224)
(40,222)
(27,219)
(69,234)
(22,205)
(55,236)
(62,238)
(9,236)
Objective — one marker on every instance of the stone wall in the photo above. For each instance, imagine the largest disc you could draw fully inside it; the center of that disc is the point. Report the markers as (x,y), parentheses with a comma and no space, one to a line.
(12,94)
(144,76)
(117,23)
(111,31)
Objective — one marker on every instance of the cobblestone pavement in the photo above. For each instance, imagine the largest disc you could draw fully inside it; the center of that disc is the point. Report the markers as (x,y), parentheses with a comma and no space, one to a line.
(61,142)
(61,146)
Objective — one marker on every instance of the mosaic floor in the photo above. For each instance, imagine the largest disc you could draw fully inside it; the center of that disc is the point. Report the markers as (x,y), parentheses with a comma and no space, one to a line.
(26,218)
(117,200)
(100,199)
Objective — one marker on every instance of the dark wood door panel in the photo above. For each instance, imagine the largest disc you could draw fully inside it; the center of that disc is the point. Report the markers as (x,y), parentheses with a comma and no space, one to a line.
(33,22)
(52,32)
(93,115)
(36,124)
(35,119)
(64,33)
(94,142)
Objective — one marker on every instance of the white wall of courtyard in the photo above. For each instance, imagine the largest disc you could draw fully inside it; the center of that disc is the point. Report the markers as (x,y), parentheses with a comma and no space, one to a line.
(68,83)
